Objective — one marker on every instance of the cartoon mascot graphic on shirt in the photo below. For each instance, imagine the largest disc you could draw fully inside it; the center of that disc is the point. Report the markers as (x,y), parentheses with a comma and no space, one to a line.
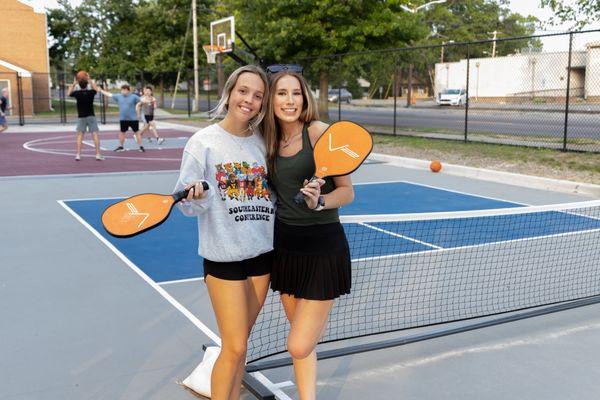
(242,181)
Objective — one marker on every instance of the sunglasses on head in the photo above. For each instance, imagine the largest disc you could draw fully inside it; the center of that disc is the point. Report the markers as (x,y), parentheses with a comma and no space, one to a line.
(273,69)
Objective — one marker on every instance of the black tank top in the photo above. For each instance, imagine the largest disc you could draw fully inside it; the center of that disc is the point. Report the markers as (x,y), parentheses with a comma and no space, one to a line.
(288,175)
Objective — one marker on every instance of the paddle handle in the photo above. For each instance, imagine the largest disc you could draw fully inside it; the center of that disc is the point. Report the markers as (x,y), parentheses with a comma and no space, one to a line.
(182,194)
(299,198)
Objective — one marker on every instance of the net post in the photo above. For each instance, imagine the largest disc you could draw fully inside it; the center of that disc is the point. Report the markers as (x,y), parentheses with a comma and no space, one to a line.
(566,125)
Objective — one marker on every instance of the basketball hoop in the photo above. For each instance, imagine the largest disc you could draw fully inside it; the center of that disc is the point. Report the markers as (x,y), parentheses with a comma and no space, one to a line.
(211,52)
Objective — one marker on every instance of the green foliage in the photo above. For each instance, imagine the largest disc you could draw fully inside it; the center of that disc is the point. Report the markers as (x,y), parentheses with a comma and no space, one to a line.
(125,37)
(579,12)
(295,29)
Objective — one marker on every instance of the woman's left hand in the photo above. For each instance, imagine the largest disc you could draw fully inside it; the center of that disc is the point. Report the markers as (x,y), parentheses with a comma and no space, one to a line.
(311,192)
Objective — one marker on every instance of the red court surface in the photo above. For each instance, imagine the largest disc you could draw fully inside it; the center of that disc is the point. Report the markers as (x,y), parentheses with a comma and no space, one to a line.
(54,153)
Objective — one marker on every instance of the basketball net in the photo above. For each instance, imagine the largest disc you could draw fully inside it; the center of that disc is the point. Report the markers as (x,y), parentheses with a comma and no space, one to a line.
(211,52)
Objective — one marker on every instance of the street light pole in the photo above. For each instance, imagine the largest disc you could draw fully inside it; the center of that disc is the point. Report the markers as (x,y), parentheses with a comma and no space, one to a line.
(442,55)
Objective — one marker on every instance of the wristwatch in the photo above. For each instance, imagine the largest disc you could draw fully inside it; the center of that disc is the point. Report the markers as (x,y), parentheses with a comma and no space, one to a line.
(320,204)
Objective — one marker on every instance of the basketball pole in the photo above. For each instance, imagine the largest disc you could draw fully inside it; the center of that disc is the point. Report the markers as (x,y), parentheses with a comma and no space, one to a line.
(195,34)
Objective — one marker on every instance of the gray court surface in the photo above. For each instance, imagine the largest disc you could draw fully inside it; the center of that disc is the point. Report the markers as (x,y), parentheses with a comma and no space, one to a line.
(77,322)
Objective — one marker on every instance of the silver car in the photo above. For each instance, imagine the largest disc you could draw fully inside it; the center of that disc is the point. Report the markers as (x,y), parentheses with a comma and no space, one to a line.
(345,95)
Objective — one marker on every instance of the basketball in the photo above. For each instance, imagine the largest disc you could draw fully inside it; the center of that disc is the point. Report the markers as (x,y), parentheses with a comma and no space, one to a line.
(435,166)
(82,75)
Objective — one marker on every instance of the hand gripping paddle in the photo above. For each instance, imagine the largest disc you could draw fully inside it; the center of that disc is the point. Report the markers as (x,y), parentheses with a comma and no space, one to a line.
(139,213)
(340,150)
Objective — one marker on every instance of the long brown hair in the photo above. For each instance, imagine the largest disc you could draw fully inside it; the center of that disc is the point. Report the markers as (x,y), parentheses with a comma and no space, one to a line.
(270,126)
(223,107)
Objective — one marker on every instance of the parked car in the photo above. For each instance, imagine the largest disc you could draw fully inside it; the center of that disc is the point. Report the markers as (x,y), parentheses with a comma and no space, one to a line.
(345,95)
(451,97)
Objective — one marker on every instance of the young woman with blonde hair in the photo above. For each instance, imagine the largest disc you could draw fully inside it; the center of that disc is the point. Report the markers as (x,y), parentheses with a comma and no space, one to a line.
(312,260)
(235,218)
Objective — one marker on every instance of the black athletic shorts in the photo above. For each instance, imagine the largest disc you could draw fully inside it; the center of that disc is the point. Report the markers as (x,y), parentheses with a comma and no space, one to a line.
(148,118)
(134,125)
(239,270)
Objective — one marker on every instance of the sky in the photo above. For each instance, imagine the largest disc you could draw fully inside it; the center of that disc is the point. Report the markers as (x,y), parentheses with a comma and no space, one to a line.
(524,7)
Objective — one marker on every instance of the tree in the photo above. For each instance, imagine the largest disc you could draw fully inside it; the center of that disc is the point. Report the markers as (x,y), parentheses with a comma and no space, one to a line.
(292,30)
(580,12)
(121,36)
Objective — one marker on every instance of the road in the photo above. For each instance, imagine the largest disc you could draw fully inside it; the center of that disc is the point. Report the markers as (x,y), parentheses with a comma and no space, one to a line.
(432,119)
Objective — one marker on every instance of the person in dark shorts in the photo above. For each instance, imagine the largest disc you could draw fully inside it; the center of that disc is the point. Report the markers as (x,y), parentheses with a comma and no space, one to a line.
(128,117)
(312,265)
(86,119)
(146,108)
(4,109)
(236,229)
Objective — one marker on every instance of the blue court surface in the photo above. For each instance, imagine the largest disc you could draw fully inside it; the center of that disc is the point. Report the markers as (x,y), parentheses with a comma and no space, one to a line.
(169,252)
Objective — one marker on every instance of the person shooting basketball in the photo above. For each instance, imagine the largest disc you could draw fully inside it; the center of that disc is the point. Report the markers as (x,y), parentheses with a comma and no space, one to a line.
(86,119)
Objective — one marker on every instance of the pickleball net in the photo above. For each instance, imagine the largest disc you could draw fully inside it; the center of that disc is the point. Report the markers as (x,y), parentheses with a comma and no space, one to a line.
(420,270)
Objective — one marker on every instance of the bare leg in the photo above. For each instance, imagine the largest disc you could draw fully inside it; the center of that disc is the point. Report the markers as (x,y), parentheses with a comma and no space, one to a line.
(308,319)
(122,138)
(256,291)
(138,138)
(152,127)
(96,143)
(230,305)
(78,142)
(3,128)
(144,129)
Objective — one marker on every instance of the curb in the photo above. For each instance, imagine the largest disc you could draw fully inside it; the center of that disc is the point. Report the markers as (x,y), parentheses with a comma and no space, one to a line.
(529,181)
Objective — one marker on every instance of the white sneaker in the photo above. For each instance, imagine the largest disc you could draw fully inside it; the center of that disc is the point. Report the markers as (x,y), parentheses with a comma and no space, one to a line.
(77,157)
(161,140)
(99,157)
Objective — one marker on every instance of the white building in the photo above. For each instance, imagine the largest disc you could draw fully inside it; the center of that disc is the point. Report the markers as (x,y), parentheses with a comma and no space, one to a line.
(531,76)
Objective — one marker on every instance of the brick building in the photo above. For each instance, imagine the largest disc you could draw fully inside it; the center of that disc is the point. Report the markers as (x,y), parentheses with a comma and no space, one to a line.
(24,55)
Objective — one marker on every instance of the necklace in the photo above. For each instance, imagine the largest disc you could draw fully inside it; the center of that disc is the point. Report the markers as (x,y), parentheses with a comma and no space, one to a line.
(235,138)
(287,142)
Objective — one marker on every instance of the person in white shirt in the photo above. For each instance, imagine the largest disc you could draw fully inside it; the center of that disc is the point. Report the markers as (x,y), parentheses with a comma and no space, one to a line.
(235,218)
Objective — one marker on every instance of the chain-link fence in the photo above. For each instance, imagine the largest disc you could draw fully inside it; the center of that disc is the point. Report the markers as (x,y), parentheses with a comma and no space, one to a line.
(507,91)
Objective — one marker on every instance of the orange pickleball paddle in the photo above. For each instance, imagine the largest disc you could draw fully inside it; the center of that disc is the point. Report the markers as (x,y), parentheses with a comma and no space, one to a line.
(139,213)
(340,150)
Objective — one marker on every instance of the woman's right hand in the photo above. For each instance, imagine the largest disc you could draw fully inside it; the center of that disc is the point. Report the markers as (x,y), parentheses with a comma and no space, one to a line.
(196,191)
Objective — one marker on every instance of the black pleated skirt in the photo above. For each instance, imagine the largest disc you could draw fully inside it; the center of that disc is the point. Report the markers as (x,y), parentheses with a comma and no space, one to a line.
(311,262)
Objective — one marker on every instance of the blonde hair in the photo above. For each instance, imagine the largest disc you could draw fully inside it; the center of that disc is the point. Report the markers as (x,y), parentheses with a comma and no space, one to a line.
(270,126)
(223,106)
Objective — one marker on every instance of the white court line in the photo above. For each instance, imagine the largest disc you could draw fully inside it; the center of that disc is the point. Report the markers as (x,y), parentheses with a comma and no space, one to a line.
(39,142)
(442,189)
(447,249)
(542,339)
(191,317)
(400,236)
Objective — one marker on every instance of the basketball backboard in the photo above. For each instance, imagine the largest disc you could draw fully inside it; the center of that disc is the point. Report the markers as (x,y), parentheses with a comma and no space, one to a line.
(222,34)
